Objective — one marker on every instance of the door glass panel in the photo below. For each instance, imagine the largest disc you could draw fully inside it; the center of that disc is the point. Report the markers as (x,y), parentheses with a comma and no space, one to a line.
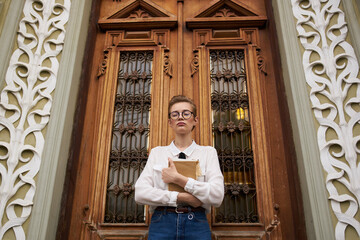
(232,136)
(130,135)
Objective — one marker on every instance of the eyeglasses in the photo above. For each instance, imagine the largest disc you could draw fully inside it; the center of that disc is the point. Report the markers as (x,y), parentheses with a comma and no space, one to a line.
(185,115)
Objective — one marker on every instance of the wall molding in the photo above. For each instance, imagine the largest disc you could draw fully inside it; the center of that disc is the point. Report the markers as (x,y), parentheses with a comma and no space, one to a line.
(47,202)
(350,8)
(4,5)
(7,36)
(30,80)
(331,74)
(314,194)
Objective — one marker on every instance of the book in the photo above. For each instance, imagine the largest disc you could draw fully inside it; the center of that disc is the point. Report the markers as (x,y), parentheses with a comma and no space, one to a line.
(187,168)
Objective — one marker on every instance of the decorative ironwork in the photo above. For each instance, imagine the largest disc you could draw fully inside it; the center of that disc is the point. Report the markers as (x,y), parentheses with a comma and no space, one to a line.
(232,136)
(126,189)
(25,107)
(130,137)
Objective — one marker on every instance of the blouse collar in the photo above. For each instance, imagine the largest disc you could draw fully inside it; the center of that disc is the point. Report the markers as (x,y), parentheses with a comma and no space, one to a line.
(188,151)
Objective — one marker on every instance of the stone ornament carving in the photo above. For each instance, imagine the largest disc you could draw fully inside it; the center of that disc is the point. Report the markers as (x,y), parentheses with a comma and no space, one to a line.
(167,63)
(25,104)
(103,66)
(331,71)
(261,62)
(194,65)
(139,13)
(225,12)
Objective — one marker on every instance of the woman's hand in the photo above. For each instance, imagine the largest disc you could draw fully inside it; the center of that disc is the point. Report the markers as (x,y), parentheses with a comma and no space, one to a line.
(169,175)
(189,199)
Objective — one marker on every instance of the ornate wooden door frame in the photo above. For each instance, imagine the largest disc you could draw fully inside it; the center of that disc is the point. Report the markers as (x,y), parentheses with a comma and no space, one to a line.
(144,34)
(155,40)
(246,38)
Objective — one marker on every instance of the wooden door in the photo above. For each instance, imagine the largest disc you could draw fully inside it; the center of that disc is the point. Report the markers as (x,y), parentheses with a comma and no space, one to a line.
(216,52)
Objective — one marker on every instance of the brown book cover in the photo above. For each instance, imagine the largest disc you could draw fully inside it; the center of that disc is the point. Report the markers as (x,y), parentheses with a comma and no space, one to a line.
(187,168)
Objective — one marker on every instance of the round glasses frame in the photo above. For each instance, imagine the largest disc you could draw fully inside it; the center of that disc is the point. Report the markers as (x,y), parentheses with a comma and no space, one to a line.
(185,115)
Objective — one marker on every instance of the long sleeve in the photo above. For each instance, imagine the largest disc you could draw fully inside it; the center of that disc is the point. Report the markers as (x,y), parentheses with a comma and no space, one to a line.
(151,193)
(211,191)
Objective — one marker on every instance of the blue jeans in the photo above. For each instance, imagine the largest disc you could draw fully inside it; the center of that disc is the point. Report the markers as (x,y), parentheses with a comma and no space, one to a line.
(179,226)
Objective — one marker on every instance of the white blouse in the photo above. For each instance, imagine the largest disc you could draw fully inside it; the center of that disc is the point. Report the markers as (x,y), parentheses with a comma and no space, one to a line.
(150,189)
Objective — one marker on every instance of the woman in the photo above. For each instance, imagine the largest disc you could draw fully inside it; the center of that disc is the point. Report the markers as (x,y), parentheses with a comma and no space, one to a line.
(180,215)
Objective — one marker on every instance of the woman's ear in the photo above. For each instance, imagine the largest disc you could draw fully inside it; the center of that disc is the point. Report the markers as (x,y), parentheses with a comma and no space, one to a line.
(196,119)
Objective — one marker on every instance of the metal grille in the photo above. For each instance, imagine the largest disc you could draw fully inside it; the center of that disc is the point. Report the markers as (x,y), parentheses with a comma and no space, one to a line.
(232,136)
(129,137)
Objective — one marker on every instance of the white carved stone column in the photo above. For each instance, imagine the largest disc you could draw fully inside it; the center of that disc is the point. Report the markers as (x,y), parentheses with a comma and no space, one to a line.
(25,104)
(331,71)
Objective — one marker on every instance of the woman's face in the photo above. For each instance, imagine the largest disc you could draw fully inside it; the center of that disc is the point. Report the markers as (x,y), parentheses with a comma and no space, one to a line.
(182,126)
